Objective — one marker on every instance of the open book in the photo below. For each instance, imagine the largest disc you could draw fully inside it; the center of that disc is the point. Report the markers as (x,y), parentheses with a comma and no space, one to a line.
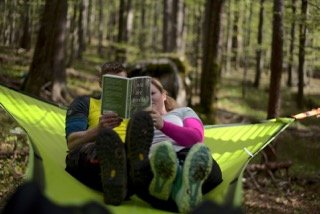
(125,96)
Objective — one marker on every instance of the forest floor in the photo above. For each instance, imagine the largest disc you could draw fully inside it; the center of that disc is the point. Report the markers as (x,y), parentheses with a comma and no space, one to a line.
(295,189)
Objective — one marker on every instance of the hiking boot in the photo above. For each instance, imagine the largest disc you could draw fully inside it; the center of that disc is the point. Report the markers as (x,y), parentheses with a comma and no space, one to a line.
(164,165)
(112,157)
(138,141)
(195,170)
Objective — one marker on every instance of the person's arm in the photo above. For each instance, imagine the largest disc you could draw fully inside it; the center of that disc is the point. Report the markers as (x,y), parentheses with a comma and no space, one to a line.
(77,134)
(191,133)
(75,139)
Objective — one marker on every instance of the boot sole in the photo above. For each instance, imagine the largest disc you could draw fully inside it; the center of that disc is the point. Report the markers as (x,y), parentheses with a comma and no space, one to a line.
(163,164)
(138,141)
(196,169)
(112,157)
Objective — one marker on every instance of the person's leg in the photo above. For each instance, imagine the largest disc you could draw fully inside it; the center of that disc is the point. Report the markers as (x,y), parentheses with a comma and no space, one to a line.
(82,164)
(196,168)
(113,164)
(138,141)
(164,164)
(139,137)
(213,179)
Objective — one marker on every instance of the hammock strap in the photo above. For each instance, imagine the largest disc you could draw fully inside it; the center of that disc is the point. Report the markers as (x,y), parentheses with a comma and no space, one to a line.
(313,112)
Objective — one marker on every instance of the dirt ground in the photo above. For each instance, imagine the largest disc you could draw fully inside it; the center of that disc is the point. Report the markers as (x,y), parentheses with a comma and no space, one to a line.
(295,190)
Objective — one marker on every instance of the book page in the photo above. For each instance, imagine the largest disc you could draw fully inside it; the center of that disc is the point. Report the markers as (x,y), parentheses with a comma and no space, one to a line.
(114,93)
(140,94)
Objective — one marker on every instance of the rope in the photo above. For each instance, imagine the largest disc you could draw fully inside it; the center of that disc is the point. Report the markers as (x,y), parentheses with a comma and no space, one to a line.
(313,112)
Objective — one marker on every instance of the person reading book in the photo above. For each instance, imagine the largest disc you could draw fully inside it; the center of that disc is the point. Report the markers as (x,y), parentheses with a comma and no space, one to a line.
(179,167)
(98,158)
(84,125)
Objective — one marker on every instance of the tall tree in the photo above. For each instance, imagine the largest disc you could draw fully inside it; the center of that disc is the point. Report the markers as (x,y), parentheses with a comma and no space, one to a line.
(90,20)
(235,34)
(276,60)
(302,42)
(210,65)
(100,27)
(228,39)
(143,32)
(125,26)
(276,69)
(73,35)
(291,48)
(155,27)
(25,41)
(82,27)
(178,27)
(259,48)
(246,45)
(167,26)
(48,63)
(196,45)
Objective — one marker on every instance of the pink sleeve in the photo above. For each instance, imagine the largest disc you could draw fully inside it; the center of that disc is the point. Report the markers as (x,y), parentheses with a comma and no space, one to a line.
(191,132)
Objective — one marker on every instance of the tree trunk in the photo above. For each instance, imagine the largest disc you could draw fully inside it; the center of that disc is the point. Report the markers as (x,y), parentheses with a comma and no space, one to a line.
(178,26)
(12,30)
(276,70)
(167,26)
(73,35)
(82,27)
(112,25)
(246,48)
(142,33)
(210,66)
(155,29)
(125,7)
(228,41)
(302,42)
(181,43)
(100,28)
(25,41)
(235,33)
(259,48)
(129,21)
(89,22)
(198,15)
(291,48)
(48,64)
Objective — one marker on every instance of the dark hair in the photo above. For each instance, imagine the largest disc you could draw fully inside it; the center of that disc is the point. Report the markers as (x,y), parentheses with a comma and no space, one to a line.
(169,103)
(112,68)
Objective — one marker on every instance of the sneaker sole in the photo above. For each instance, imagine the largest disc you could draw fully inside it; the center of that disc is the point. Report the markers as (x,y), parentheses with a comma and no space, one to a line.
(196,169)
(112,157)
(138,141)
(163,164)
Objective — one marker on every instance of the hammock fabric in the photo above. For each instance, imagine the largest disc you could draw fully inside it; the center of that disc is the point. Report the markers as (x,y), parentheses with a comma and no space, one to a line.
(233,146)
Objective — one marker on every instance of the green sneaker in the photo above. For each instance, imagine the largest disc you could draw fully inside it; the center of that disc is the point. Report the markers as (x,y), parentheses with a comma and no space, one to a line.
(196,168)
(163,162)
(113,164)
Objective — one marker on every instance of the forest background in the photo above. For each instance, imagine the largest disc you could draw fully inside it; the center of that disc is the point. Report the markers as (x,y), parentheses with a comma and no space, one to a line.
(239,61)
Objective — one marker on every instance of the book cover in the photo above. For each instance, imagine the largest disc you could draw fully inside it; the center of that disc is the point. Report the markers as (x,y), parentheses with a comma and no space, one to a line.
(125,95)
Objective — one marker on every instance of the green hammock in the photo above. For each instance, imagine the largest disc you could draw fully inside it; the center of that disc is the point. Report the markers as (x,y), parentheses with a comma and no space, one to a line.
(233,146)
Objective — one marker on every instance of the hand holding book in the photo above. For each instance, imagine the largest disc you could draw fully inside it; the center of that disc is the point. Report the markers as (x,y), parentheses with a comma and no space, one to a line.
(109,119)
